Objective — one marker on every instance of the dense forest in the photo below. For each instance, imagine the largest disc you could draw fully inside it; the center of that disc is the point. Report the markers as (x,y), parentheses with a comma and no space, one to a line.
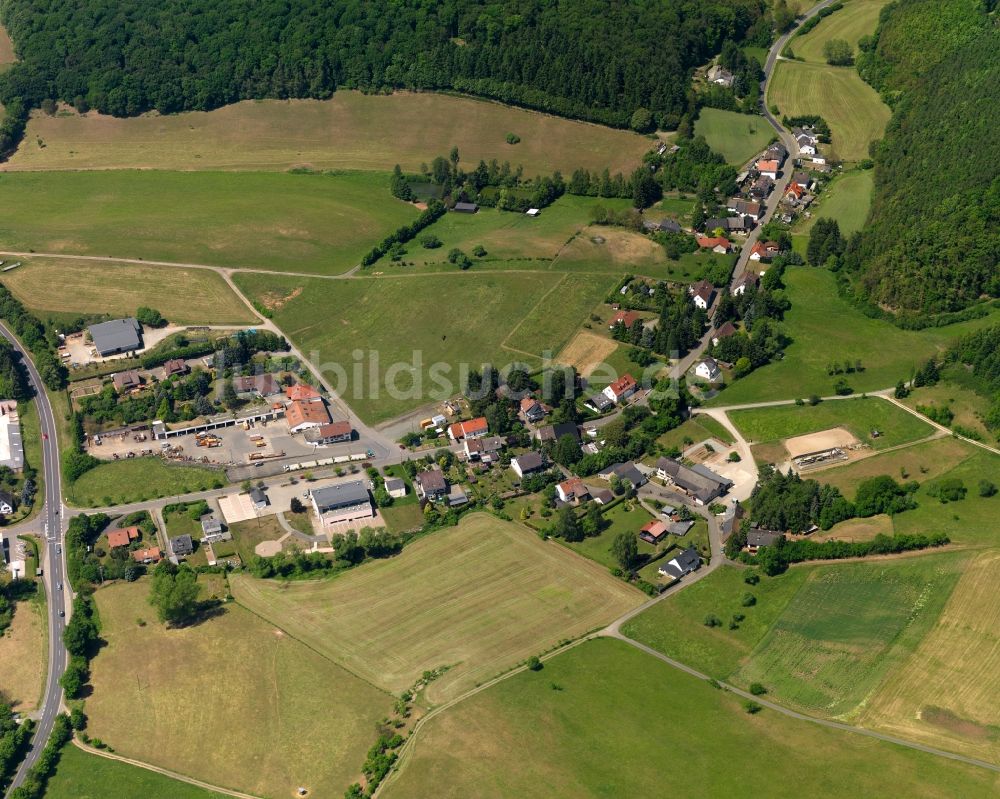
(933,236)
(589,59)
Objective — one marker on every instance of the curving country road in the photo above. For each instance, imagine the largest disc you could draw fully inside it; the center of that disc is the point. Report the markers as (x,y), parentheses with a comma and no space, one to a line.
(53,561)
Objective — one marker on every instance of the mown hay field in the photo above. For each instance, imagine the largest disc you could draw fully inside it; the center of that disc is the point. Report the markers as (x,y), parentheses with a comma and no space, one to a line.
(847,628)
(947,694)
(478,598)
(231,700)
(621,722)
(854,111)
(317,223)
(184,296)
(349,131)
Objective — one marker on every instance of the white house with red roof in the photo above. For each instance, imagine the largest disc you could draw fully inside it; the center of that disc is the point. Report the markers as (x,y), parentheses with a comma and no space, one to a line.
(621,389)
(768,169)
(474,428)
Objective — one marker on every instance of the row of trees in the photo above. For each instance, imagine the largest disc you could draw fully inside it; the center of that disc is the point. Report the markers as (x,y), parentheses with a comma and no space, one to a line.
(36,338)
(981,351)
(127,57)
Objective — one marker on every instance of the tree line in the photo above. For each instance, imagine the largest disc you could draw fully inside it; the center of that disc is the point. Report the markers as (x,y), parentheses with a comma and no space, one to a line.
(588,59)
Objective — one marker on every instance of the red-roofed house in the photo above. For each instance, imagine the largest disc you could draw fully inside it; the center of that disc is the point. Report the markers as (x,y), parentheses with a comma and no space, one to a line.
(621,389)
(330,433)
(302,393)
(719,244)
(625,317)
(653,531)
(572,489)
(303,414)
(151,555)
(532,410)
(474,428)
(794,192)
(768,169)
(122,538)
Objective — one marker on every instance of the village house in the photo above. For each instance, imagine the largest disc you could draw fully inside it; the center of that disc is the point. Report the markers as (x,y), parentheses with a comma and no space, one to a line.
(624,471)
(699,482)
(627,318)
(653,531)
(123,537)
(303,393)
(776,152)
(758,537)
(485,449)
(182,545)
(263,385)
(746,280)
(761,187)
(599,402)
(745,208)
(572,490)
(717,244)
(126,381)
(212,531)
(431,485)
(662,225)
(532,410)
(768,168)
(708,369)
(395,487)
(794,194)
(527,463)
(474,428)
(731,519)
(764,250)
(725,331)
(331,433)
(621,389)
(304,414)
(175,367)
(11,444)
(148,555)
(553,432)
(802,180)
(7,503)
(720,76)
(702,293)
(686,562)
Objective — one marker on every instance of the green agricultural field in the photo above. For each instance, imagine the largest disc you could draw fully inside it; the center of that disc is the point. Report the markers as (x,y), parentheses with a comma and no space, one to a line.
(677,627)
(739,137)
(847,199)
(477,598)
(852,108)
(856,19)
(138,479)
(183,296)
(231,700)
(81,775)
(314,223)
(694,430)
(619,719)
(825,328)
(857,414)
(349,131)
(848,627)
(450,320)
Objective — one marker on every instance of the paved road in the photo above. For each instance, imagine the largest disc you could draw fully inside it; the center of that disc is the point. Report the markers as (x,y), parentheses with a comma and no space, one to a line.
(53,560)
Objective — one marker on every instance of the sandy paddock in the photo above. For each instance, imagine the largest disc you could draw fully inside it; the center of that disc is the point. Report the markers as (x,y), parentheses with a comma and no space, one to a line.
(817,442)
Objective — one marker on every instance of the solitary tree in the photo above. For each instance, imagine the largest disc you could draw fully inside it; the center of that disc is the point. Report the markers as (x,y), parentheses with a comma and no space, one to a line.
(625,551)
(838,53)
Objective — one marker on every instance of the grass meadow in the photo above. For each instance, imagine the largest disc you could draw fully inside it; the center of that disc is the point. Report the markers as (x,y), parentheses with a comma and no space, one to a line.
(860,415)
(349,131)
(847,628)
(739,137)
(856,19)
(676,626)
(626,724)
(138,479)
(231,700)
(318,223)
(183,296)
(23,653)
(477,598)
(80,775)
(847,199)
(852,108)
(947,693)
(694,430)
(451,319)
(968,406)
(825,328)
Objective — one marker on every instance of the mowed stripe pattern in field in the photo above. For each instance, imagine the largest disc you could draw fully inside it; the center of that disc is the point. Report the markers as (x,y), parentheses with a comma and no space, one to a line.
(477,598)
(349,131)
(856,19)
(948,693)
(229,700)
(183,296)
(852,108)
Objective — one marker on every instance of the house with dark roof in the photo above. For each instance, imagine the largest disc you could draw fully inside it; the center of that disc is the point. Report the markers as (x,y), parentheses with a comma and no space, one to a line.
(116,336)
(175,367)
(702,293)
(485,449)
(686,562)
(129,380)
(527,463)
(708,369)
(700,483)
(572,490)
(599,402)
(758,537)
(731,520)
(431,485)
(465,208)
(342,503)
(748,279)
(182,545)
(263,385)
(761,187)
(725,331)
(624,471)
(662,225)
(532,410)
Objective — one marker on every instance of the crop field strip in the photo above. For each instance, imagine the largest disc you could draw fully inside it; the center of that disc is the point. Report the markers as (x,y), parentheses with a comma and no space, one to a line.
(478,598)
(172,698)
(349,131)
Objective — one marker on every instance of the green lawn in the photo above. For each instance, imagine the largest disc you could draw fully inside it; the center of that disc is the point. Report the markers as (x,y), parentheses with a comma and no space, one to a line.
(847,199)
(856,19)
(626,725)
(80,775)
(628,517)
(859,415)
(848,627)
(739,137)
(277,221)
(825,328)
(462,318)
(676,626)
(138,479)
(693,431)
(856,114)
